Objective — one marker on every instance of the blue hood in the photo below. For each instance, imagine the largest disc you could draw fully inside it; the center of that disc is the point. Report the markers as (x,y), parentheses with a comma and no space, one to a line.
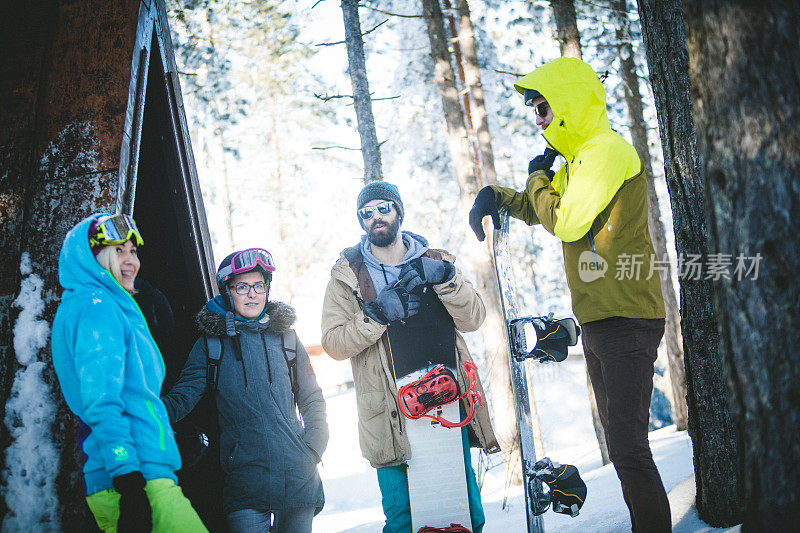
(79,271)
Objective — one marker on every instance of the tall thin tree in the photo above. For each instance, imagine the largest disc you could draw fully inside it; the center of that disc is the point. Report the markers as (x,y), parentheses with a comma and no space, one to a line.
(362,100)
(472,82)
(673,337)
(743,67)
(494,327)
(714,437)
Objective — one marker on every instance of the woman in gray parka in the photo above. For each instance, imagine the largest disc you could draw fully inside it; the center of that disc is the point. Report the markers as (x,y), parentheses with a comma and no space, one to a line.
(268,455)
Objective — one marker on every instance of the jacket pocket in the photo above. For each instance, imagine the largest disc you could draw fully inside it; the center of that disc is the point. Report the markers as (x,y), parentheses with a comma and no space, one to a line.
(228,456)
(375,432)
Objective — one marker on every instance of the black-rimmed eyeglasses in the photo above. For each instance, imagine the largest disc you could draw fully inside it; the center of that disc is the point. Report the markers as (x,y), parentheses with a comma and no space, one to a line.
(244,288)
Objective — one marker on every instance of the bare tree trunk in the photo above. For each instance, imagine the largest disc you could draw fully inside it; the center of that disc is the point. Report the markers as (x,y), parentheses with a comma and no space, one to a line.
(362,100)
(227,208)
(465,57)
(227,205)
(633,100)
(458,62)
(718,478)
(280,200)
(743,67)
(70,140)
(472,82)
(494,325)
(569,40)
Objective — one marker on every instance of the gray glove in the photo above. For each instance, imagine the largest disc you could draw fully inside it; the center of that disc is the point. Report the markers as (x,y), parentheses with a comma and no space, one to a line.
(425,270)
(393,303)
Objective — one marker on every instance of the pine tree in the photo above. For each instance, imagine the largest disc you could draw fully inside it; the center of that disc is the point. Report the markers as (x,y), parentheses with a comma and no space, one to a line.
(638,128)
(362,100)
(465,173)
(743,67)
(714,437)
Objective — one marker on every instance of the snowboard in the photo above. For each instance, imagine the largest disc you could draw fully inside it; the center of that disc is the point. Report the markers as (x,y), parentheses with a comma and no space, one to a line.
(535,499)
(437,483)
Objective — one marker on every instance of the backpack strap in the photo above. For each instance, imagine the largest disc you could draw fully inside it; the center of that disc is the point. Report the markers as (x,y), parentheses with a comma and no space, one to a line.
(289,347)
(214,351)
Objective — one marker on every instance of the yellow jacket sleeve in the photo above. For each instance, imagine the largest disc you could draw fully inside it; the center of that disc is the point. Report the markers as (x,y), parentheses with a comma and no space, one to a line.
(598,172)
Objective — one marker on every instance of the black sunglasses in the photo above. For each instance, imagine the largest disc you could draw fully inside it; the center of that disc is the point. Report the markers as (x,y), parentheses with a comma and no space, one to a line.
(541,108)
(383,208)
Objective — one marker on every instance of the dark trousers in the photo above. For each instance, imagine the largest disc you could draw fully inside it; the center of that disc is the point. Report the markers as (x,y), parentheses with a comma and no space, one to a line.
(620,353)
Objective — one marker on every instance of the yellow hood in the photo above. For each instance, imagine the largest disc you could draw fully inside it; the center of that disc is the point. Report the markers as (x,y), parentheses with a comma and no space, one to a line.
(577,98)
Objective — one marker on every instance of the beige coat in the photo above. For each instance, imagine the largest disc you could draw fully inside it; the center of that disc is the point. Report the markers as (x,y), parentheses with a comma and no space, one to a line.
(347,333)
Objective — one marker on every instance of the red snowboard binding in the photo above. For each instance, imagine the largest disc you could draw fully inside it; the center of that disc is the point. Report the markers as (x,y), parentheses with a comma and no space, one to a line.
(437,388)
(454,528)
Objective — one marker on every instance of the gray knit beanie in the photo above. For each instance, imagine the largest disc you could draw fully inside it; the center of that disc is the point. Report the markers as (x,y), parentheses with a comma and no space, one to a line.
(380,190)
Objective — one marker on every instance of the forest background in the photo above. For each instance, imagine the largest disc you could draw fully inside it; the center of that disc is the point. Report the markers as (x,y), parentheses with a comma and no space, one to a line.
(276,145)
(270,105)
(272,125)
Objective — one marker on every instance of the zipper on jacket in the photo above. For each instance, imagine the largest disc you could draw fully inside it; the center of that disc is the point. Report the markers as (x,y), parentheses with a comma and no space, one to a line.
(590,234)
(591,245)
(266,356)
(237,349)
(391,355)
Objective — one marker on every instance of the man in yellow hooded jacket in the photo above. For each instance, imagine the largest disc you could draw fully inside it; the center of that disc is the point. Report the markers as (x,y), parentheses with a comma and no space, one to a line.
(596,203)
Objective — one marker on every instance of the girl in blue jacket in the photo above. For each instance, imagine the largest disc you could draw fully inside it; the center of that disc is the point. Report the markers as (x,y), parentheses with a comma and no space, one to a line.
(110,371)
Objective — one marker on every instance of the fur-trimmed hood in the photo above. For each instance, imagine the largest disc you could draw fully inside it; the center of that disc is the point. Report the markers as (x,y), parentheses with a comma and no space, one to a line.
(279,319)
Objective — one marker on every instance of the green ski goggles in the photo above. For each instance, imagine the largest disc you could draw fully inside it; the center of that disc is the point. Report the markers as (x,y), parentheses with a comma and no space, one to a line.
(115,230)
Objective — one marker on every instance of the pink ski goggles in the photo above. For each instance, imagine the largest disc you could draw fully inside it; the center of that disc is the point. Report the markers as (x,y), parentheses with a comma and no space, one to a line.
(245,261)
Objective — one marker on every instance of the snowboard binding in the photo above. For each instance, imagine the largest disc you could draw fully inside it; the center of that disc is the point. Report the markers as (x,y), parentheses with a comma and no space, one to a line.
(567,490)
(436,388)
(552,338)
(454,528)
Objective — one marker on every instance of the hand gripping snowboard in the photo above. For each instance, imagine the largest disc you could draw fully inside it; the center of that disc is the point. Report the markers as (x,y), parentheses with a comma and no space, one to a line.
(422,354)
(550,340)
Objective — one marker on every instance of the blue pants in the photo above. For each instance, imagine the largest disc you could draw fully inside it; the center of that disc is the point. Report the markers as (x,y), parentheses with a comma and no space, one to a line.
(286,520)
(393,483)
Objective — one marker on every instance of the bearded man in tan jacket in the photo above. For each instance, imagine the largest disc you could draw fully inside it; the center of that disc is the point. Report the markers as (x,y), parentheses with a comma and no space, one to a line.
(365,295)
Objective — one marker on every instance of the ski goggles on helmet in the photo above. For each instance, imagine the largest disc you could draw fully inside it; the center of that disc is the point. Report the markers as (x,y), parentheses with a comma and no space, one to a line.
(245,261)
(383,208)
(115,230)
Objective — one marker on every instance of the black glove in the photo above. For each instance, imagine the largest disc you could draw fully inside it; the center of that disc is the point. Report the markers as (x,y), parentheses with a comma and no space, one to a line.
(543,162)
(135,514)
(485,204)
(425,270)
(393,303)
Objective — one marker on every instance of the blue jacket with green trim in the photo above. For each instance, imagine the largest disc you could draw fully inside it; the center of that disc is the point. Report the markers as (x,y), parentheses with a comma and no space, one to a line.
(110,370)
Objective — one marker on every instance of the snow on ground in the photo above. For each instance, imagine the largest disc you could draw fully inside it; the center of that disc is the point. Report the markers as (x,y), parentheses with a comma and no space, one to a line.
(353,499)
